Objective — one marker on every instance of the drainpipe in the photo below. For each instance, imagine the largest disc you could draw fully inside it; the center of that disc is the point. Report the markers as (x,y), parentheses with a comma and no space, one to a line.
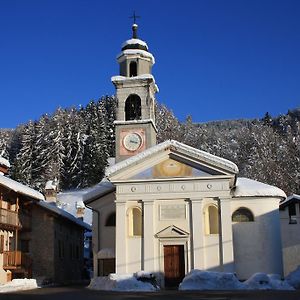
(220,236)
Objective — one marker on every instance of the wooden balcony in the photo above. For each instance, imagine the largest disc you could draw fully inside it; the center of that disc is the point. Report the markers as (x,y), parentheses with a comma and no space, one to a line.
(15,260)
(9,219)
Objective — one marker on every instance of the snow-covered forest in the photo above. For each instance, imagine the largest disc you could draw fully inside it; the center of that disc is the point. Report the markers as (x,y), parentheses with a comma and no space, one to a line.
(73,145)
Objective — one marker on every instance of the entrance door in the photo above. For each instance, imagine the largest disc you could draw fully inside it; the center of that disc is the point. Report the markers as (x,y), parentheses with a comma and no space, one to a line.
(173,264)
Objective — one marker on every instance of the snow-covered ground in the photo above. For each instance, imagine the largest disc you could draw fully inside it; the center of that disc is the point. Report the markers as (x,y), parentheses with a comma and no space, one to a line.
(125,282)
(205,280)
(18,285)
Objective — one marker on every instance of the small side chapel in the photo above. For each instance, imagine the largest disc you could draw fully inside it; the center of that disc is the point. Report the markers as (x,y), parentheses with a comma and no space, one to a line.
(169,208)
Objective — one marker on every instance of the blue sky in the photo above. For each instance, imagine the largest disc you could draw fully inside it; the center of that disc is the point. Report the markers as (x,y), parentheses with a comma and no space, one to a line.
(215,59)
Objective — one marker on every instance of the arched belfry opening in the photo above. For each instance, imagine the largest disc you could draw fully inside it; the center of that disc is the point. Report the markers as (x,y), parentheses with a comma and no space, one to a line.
(132,69)
(133,110)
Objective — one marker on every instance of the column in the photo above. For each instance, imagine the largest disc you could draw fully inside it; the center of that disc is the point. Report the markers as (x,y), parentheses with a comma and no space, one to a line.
(148,236)
(227,243)
(197,233)
(121,234)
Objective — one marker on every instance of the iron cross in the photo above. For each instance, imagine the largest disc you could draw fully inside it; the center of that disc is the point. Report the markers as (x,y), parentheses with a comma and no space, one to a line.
(134,17)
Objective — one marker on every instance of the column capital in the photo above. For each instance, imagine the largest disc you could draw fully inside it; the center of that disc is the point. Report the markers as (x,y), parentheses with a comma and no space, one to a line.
(147,202)
(195,200)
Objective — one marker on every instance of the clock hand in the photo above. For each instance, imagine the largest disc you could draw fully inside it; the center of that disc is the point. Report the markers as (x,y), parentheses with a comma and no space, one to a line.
(135,142)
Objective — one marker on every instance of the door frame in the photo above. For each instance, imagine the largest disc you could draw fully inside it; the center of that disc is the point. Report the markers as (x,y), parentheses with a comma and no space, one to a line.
(173,242)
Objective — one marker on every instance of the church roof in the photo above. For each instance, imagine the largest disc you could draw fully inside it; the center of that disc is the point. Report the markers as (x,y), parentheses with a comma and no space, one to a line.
(180,148)
(246,187)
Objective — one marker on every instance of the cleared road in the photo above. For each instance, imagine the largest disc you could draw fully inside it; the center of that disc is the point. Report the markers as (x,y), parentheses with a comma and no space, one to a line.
(82,293)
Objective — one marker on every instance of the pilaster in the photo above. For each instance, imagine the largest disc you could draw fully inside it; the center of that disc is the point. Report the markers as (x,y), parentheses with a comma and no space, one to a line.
(197,233)
(148,236)
(121,235)
(227,242)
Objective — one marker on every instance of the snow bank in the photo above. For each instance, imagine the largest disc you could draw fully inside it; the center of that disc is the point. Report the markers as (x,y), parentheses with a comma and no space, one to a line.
(293,278)
(118,282)
(18,285)
(262,281)
(205,280)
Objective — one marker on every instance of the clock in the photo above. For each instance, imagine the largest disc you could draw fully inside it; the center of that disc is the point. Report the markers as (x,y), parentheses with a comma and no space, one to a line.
(132,141)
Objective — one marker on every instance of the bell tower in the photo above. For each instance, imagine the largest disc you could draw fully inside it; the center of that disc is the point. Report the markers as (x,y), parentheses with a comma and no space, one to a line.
(135,93)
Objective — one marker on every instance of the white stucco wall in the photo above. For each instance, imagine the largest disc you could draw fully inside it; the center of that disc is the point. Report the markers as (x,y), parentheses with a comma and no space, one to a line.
(290,235)
(257,245)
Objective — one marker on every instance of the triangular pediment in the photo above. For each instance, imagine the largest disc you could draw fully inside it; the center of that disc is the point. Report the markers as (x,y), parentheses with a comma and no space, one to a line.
(172,232)
(171,159)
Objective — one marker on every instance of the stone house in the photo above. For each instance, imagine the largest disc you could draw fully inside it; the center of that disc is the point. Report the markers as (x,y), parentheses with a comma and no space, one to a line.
(37,239)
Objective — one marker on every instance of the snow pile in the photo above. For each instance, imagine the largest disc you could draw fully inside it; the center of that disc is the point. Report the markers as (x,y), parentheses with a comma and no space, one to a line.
(293,278)
(117,282)
(18,285)
(205,280)
(262,281)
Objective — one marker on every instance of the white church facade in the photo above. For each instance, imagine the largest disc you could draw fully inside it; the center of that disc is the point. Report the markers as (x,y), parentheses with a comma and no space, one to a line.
(169,208)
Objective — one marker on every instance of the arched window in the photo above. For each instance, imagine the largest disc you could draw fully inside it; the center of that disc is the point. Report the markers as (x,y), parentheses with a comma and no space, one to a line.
(135,221)
(111,220)
(133,109)
(242,214)
(132,69)
(211,220)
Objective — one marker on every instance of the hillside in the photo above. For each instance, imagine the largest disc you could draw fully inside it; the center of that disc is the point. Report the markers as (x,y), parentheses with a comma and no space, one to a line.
(73,145)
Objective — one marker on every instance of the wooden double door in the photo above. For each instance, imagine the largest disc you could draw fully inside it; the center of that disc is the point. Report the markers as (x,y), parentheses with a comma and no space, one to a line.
(174,267)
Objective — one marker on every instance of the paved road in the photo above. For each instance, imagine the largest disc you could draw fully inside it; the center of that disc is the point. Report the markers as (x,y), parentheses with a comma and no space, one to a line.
(82,293)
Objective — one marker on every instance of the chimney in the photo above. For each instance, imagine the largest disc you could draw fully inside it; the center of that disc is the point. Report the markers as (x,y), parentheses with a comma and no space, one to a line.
(4,166)
(80,207)
(51,190)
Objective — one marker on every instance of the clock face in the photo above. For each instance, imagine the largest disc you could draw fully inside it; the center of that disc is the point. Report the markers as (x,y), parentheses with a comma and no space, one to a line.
(132,141)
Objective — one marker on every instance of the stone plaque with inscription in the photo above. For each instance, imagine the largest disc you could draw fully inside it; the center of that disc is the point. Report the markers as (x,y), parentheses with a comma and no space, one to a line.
(172,211)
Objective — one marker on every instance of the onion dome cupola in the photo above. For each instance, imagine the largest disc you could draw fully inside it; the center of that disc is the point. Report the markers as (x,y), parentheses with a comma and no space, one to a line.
(135,58)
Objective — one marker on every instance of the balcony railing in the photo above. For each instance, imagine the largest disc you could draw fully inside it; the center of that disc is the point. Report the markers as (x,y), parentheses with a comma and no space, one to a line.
(9,218)
(15,259)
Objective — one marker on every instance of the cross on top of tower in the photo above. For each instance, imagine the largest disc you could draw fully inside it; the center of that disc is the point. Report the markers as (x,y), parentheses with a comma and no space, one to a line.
(134,17)
(134,26)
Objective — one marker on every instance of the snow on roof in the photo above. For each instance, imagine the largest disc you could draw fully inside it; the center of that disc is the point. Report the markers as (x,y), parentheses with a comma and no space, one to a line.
(123,78)
(180,147)
(51,185)
(68,200)
(20,188)
(61,212)
(79,204)
(134,42)
(291,198)
(4,162)
(140,52)
(246,187)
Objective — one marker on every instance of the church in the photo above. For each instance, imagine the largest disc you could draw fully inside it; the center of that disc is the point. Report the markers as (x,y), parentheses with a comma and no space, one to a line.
(169,208)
